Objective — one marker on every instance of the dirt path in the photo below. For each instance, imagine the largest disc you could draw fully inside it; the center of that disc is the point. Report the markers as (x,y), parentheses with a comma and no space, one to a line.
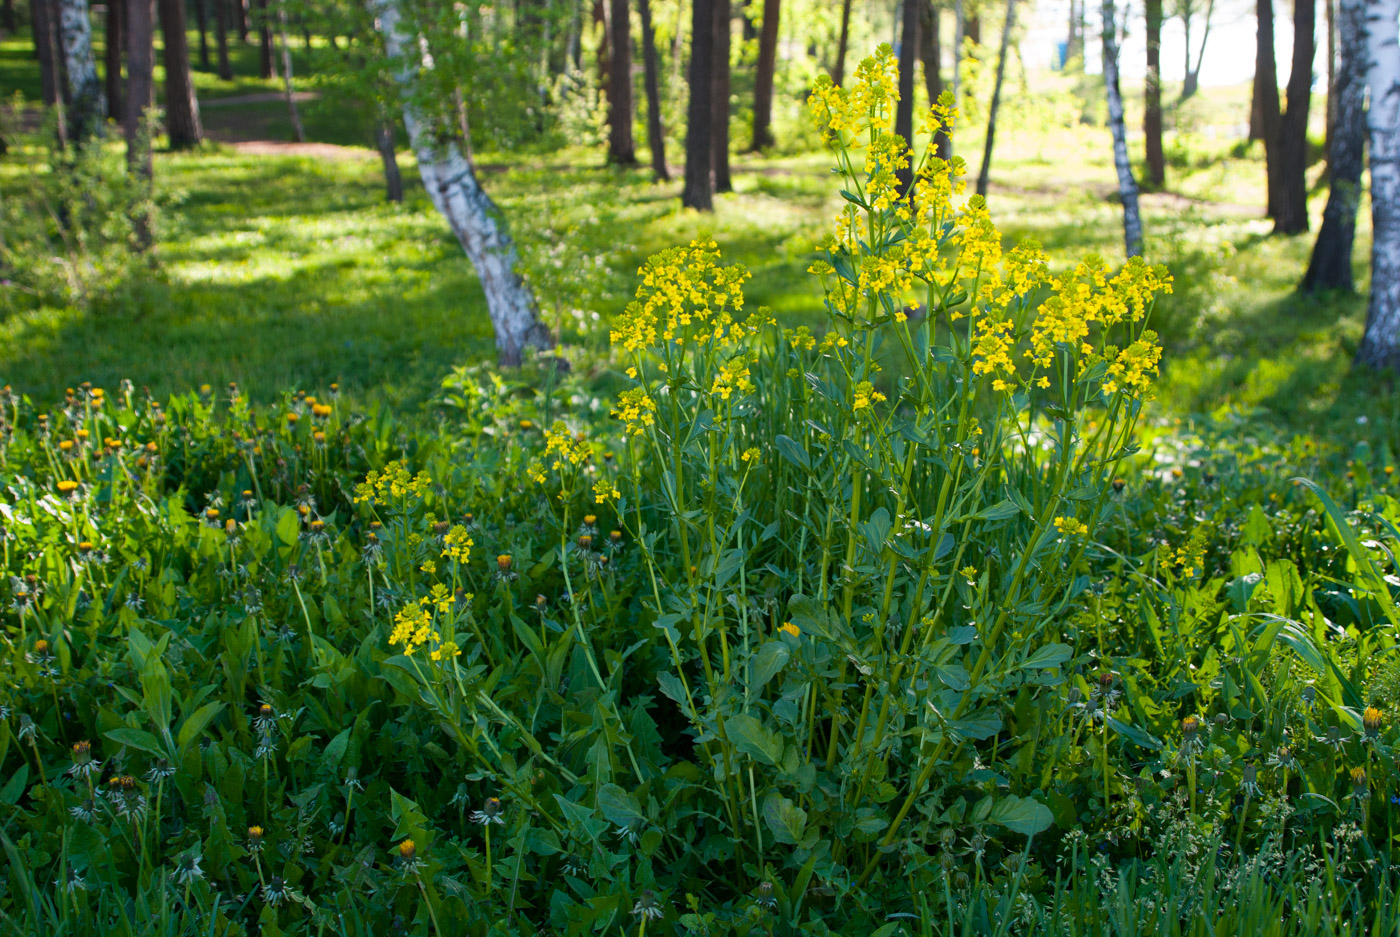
(318,150)
(262,97)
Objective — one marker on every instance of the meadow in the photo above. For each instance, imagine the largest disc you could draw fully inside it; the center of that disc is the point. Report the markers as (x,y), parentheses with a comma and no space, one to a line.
(779,612)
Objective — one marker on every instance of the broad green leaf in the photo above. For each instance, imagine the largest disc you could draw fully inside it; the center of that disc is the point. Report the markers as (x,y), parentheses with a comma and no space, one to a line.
(787,820)
(135,738)
(771,658)
(753,739)
(1051,655)
(789,449)
(620,807)
(197,723)
(1022,815)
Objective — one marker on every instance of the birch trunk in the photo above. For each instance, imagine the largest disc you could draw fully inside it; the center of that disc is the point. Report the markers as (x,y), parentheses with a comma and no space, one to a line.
(1330,266)
(1127,185)
(1380,347)
(297,130)
(984,177)
(451,182)
(86,112)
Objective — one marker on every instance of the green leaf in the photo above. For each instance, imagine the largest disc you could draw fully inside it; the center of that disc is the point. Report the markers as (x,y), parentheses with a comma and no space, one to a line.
(14,787)
(1134,734)
(1051,655)
(135,738)
(620,807)
(287,527)
(771,658)
(751,737)
(197,723)
(1022,815)
(787,820)
(789,449)
(335,749)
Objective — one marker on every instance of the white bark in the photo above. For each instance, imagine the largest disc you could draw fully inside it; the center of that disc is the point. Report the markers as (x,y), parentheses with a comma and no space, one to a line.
(288,93)
(451,182)
(89,107)
(1127,185)
(1381,345)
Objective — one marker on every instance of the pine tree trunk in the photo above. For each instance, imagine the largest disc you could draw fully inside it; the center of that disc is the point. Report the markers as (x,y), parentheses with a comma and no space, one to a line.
(240,18)
(114,44)
(181,106)
(1127,185)
(973,29)
(140,98)
(451,182)
(1331,81)
(1330,266)
(604,62)
(265,53)
(1266,105)
(838,74)
(719,103)
(931,51)
(984,177)
(622,148)
(1192,82)
(288,94)
(656,134)
(763,76)
(1152,112)
(8,21)
(1287,174)
(908,55)
(1380,346)
(221,15)
(384,142)
(86,113)
(201,15)
(44,22)
(699,150)
(959,34)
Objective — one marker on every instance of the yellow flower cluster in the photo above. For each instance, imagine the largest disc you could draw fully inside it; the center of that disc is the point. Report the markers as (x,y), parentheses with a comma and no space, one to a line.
(636,409)
(413,627)
(838,112)
(684,295)
(1188,557)
(1089,295)
(394,480)
(605,491)
(981,248)
(866,396)
(1131,372)
(566,446)
(991,344)
(1071,526)
(733,375)
(457,544)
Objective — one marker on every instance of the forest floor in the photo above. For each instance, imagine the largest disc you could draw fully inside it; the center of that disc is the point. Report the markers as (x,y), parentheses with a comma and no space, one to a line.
(282,266)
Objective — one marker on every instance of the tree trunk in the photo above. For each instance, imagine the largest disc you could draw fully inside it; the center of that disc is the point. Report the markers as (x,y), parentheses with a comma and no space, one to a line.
(699,151)
(931,51)
(1191,83)
(240,18)
(44,16)
(984,177)
(1152,113)
(622,149)
(181,106)
(221,14)
(604,62)
(289,95)
(1287,169)
(1380,347)
(1330,266)
(384,142)
(1266,118)
(8,21)
(1331,123)
(1074,41)
(265,52)
(719,103)
(201,15)
(656,134)
(763,76)
(838,74)
(86,112)
(112,54)
(140,98)
(973,29)
(451,181)
(959,33)
(904,109)
(1127,185)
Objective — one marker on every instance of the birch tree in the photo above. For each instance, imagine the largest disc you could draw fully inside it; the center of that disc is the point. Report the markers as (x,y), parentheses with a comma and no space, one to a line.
(86,111)
(450,180)
(1127,185)
(984,177)
(1380,347)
